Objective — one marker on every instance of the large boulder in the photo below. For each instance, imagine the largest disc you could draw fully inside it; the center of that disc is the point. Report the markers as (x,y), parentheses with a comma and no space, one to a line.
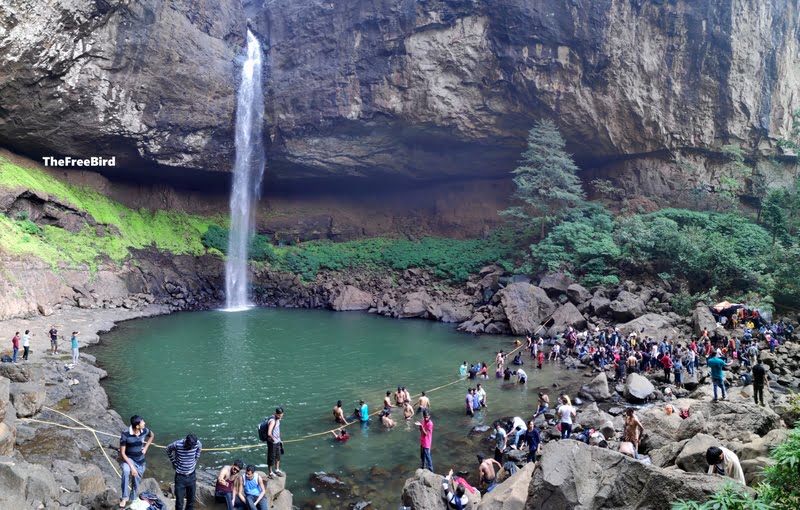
(693,425)
(596,389)
(578,294)
(566,315)
(526,307)
(599,304)
(651,324)
(512,494)
(703,319)
(693,455)
(591,417)
(453,312)
(737,420)
(28,398)
(762,446)
(351,298)
(414,304)
(627,306)
(8,436)
(574,475)
(22,482)
(424,492)
(638,388)
(555,283)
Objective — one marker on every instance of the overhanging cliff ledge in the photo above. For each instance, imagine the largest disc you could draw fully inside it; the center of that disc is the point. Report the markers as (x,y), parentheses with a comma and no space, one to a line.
(412,89)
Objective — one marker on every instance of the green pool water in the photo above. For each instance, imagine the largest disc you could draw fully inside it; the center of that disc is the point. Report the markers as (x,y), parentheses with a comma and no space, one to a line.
(218,374)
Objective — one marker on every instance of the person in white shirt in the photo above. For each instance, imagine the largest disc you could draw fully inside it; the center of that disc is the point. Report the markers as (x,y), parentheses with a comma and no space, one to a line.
(724,462)
(26,344)
(566,414)
(522,377)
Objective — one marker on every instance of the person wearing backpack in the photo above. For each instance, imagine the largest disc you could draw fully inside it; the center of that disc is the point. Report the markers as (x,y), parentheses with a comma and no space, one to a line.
(274,445)
(456,498)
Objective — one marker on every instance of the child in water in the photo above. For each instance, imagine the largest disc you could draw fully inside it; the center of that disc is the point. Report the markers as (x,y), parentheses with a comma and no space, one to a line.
(341,435)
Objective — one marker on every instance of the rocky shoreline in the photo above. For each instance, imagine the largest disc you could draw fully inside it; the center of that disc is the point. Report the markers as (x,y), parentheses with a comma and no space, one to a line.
(490,302)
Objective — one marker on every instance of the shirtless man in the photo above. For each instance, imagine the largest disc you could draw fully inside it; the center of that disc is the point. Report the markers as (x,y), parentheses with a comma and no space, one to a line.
(486,470)
(387,420)
(544,404)
(399,397)
(338,413)
(408,410)
(406,394)
(423,403)
(387,401)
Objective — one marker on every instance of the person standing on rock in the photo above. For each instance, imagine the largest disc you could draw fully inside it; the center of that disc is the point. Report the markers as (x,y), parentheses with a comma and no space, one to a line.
(666,363)
(274,444)
(566,414)
(716,364)
(133,445)
(183,454)
(425,440)
(15,346)
(760,378)
(75,352)
(724,462)
(632,430)
(53,339)
(26,344)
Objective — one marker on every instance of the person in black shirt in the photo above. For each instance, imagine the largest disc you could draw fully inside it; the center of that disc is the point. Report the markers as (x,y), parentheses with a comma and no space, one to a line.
(53,340)
(760,377)
(133,444)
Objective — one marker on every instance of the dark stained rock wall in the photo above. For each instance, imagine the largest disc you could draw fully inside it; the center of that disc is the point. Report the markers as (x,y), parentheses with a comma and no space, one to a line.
(408,89)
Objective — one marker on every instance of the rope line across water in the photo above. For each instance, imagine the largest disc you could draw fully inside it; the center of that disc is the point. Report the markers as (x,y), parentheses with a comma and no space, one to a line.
(95,432)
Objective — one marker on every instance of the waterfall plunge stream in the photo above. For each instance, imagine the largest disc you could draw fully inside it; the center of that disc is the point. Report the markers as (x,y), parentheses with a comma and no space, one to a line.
(247,173)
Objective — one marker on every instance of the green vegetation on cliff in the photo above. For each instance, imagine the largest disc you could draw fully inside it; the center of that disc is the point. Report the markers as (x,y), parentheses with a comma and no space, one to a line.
(451,259)
(116,230)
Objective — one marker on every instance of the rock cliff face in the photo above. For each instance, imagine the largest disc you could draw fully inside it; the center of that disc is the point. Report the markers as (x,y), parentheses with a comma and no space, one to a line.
(404,89)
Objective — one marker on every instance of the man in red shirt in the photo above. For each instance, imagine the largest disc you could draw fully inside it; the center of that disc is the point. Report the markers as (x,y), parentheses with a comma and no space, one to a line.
(15,346)
(425,439)
(666,362)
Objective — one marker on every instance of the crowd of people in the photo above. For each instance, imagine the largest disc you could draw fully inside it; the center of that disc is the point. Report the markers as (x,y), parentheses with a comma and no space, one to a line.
(240,486)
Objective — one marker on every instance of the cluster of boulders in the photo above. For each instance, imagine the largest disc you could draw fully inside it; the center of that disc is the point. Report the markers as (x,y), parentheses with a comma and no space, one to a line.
(672,449)
(490,302)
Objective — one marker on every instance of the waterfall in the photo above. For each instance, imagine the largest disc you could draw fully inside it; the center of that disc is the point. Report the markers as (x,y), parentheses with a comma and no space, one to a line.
(247,173)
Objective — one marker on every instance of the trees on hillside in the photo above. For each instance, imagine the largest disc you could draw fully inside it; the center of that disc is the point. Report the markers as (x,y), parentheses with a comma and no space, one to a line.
(546,179)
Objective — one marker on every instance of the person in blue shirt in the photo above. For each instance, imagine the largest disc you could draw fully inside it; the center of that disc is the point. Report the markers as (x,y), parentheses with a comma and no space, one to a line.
(364,415)
(250,491)
(716,365)
(463,370)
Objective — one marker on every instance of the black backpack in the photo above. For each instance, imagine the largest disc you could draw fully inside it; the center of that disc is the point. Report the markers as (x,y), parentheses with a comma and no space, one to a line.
(262,429)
